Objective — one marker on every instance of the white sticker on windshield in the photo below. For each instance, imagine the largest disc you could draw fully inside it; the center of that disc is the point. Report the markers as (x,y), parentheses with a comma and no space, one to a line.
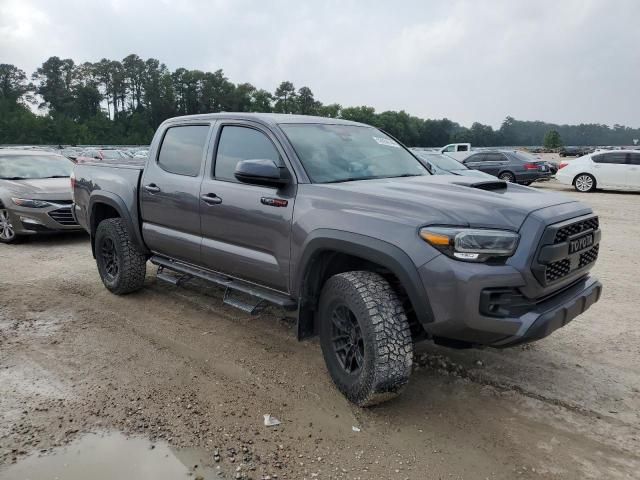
(386,141)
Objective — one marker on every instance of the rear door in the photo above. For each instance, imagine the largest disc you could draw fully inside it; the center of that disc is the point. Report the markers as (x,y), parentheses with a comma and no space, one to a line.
(246,228)
(170,192)
(612,169)
(634,171)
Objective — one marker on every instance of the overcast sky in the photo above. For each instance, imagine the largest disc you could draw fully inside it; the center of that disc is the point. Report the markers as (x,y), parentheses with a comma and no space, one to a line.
(561,61)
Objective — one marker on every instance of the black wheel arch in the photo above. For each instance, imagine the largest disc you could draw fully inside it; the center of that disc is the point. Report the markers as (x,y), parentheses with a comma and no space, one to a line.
(312,271)
(103,205)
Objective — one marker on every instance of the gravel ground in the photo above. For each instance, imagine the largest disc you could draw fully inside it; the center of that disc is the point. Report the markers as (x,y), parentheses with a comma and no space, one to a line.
(176,365)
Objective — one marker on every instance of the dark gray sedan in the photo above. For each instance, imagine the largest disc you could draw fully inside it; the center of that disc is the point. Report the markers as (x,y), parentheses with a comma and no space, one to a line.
(511,166)
(35,194)
(440,164)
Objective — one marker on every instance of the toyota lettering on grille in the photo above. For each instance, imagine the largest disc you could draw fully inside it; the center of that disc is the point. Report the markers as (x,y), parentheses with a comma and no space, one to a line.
(580,243)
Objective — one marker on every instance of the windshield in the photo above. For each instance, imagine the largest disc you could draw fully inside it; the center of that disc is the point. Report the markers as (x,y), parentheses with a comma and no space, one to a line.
(23,167)
(340,153)
(442,162)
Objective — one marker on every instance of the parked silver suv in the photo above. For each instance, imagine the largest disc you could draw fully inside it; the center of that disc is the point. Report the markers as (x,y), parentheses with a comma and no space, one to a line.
(35,194)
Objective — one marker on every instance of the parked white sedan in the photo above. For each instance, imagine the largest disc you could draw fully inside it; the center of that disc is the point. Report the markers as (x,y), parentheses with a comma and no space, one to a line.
(618,169)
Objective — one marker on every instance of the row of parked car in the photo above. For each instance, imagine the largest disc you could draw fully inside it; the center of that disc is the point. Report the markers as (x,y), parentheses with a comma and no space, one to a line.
(509,165)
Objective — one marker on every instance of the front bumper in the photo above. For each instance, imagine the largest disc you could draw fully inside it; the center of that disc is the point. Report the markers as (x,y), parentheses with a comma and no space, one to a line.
(553,314)
(30,221)
(504,305)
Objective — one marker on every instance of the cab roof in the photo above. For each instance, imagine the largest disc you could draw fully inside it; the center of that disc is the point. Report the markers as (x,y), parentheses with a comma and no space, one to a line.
(266,118)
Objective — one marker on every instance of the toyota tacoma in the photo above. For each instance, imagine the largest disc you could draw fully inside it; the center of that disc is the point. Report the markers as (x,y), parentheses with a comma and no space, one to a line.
(341,223)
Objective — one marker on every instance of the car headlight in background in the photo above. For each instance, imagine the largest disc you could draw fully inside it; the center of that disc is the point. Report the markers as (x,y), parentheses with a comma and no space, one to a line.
(29,203)
(471,244)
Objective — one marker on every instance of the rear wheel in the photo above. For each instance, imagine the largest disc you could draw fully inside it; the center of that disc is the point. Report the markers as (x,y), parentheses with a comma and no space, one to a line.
(584,183)
(7,232)
(507,177)
(121,266)
(365,337)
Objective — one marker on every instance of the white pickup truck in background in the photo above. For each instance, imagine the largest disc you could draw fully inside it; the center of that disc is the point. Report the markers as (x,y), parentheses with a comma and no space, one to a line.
(459,151)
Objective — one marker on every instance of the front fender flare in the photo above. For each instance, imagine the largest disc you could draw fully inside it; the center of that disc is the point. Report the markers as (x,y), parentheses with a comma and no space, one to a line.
(368,248)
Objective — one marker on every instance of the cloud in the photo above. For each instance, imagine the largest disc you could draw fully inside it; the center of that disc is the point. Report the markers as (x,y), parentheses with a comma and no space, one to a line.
(568,62)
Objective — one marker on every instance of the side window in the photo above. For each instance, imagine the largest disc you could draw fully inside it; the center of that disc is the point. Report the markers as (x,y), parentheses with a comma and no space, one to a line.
(614,157)
(495,157)
(463,148)
(182,148)
(241,143)
(476,158)
(450,148)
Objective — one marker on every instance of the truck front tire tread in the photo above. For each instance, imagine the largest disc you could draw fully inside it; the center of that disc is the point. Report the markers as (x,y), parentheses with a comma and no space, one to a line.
(385,330)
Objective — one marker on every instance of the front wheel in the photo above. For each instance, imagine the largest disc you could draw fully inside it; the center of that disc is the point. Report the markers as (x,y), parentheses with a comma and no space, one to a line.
(121,265)
(507,177)
(7,232)
(584,183)
(365,337)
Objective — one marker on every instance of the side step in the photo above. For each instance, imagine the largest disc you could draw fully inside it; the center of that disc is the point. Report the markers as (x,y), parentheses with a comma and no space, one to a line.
(250,289)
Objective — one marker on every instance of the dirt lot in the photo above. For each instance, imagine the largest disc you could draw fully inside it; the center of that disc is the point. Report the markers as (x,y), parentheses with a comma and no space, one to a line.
(176,368)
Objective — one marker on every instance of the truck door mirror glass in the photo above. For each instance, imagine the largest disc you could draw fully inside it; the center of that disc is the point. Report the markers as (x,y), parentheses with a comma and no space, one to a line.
(261,172)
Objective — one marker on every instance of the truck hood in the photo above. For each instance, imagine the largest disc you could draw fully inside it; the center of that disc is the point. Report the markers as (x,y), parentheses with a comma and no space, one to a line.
(39,188)
(441,200)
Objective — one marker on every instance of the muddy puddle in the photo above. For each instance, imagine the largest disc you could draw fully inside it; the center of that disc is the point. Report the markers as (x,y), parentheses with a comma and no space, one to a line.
(109,456)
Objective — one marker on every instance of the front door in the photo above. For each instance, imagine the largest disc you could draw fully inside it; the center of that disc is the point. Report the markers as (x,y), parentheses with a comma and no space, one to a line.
(246,228)
(170,193)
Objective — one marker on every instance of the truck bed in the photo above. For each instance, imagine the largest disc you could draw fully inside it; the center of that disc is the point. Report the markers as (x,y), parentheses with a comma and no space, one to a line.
(116,183)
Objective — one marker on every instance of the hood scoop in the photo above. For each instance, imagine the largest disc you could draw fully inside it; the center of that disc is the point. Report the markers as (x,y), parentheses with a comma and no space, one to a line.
(487,185)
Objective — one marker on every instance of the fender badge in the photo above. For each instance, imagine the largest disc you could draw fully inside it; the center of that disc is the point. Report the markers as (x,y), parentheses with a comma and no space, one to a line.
(274,202)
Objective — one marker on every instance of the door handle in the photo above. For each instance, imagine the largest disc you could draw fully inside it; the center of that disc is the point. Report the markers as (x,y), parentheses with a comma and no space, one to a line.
(152,188)
(211,199)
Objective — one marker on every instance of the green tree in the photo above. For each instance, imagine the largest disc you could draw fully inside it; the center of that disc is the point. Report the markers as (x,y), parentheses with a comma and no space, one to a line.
(285,98)
(552,139)
(13,84)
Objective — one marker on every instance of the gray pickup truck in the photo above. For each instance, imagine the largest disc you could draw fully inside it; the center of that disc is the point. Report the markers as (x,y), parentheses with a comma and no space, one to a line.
(341,223)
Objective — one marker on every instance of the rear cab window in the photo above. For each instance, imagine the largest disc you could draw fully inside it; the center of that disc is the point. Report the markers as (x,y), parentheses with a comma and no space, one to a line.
(182,149)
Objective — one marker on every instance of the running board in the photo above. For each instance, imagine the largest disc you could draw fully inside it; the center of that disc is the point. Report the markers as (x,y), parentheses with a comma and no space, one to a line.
(230,283)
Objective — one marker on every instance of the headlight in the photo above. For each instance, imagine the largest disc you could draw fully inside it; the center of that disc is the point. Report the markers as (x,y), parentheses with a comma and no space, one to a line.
(26,202)
(470,244)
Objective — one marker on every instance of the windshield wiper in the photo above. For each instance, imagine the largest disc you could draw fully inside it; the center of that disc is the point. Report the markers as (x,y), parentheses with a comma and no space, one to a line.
(13,178)
(353,179)
(57,176)
(375,177)
(405,175)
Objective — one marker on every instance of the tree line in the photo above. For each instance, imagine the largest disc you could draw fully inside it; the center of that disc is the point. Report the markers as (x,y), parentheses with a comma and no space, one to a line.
(124,101)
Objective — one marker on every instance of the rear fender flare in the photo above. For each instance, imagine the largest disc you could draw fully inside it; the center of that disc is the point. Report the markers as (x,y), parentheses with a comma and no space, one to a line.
(115,202)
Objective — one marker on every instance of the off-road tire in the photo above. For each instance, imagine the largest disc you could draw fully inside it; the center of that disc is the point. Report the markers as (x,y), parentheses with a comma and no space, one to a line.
(131,263)
(385,332)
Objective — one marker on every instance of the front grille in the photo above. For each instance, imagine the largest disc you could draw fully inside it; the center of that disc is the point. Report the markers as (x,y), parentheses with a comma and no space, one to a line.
(554,262)
(63,216)
(557,270)
(60,202)
(570,230)
(589,256)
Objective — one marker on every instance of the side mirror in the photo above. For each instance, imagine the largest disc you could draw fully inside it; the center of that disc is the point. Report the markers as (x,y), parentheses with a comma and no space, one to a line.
(261,172)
